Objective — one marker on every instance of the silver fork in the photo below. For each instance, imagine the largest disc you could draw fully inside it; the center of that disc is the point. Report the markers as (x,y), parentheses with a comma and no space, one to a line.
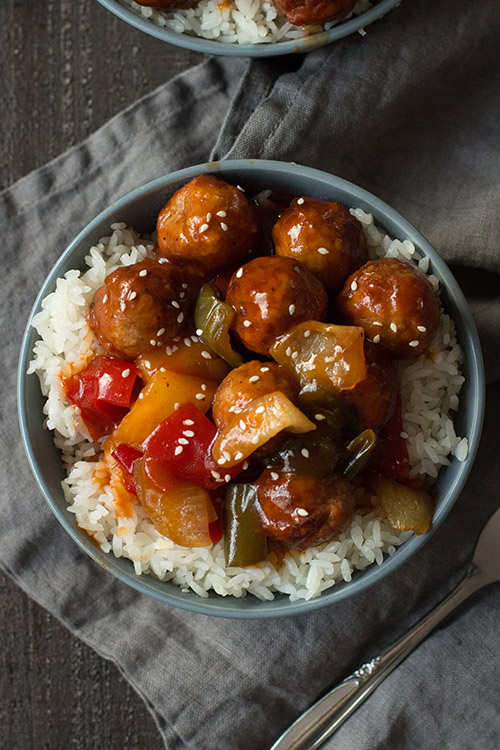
(316,724)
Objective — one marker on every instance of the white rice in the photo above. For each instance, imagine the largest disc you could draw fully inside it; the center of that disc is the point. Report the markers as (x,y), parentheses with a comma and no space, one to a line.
(430,387)
(234,21)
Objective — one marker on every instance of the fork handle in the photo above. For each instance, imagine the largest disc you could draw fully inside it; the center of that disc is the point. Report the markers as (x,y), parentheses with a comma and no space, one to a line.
(316,724)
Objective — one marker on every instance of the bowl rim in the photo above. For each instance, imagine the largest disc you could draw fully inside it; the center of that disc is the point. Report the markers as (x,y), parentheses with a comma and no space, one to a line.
(281,606)
(267,49)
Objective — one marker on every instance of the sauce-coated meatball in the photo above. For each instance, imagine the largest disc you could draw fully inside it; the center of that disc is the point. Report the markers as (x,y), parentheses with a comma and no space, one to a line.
(305,12)
(324,237)
(395,304)
(374,398)
(139,307)
(271,295)
(207,224)
(243,384)
(302,511)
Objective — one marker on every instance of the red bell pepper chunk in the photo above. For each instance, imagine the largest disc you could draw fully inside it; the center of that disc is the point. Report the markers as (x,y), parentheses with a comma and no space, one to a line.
(182,443)
(103,391)
(395,461)
(127,455)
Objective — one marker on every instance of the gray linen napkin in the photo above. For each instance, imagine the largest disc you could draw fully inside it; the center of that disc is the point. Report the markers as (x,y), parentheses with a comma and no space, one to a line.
(410,112)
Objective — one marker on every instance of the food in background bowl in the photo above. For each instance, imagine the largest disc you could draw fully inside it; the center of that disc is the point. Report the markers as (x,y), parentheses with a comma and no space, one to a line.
(248,21)
(310,467)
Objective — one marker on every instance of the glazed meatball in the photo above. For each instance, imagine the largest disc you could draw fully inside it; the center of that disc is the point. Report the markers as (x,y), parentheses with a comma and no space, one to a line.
(324,237)
(374,398)
(271,295)
(302,511)
(207,224)
(139,307)
(243,384)
(306,12)
(395,304)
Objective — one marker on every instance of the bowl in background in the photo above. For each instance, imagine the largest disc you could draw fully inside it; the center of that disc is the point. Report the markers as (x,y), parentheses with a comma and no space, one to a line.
(139,209)
(266,49)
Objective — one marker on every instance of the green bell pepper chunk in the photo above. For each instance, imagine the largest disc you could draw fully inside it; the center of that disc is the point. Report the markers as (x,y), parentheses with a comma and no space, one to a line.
(244,539)
(358,453)
(214,317)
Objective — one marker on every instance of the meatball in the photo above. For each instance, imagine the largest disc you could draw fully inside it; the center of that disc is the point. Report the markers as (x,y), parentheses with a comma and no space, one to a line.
(243,384)
(207,224)
(395,304)
(302,511)
(271,295)
(374,398)
(139,307)
(306,12)
(324,237)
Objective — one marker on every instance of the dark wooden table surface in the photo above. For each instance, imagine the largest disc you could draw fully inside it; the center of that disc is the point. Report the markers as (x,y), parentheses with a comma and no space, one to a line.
(66,67)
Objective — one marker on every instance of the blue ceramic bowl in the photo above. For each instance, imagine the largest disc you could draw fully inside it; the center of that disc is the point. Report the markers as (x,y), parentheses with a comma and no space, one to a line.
(139,209)
(342,29)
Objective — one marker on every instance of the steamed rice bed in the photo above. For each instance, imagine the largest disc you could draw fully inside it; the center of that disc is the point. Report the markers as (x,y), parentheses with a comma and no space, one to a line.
(429,385)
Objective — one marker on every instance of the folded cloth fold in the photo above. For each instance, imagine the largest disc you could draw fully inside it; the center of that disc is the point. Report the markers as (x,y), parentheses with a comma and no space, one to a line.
(411,113)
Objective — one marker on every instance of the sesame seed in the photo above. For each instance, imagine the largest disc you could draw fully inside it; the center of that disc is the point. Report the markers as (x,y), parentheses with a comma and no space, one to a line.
(200,396)
(184,285)
(393,327)
(291,309)
(221,460)
(307,333)
(247,323)
(260,410)
(105,299)
(354,286)
(223,226)
(182,295)
(243,424)
(253,379)
(203,387)
(147,363)
(255,439)
(227,478)
(245,465)
(376,338)
(295,355)
(215,474)
(239,273)
(143,272)
(422,329)
(152,342)
(209,216)
(122,306)
(176,338)
(183,441)
(300,201)
(240,188)
(141,395)
(175,304)
(132,295)
(188,433)
(163,369)
(176,405)
(322,251)
(319,417)
(377,323)
(305,452)
(413,343)
(178,450)
(180,317)
(203,227)
(302,512)
(160,331)
(221,214)
(288,351)
(198,332)
(238,456)
(275,475)
(187,341)
(264,369)
(168,350)
(206,354)
(188,422)
(126,373)
(227,455)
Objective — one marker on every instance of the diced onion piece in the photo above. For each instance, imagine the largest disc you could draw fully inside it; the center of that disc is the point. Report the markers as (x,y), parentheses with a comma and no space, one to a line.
(406,508)
(328,354)
(263,418)
(182,514)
